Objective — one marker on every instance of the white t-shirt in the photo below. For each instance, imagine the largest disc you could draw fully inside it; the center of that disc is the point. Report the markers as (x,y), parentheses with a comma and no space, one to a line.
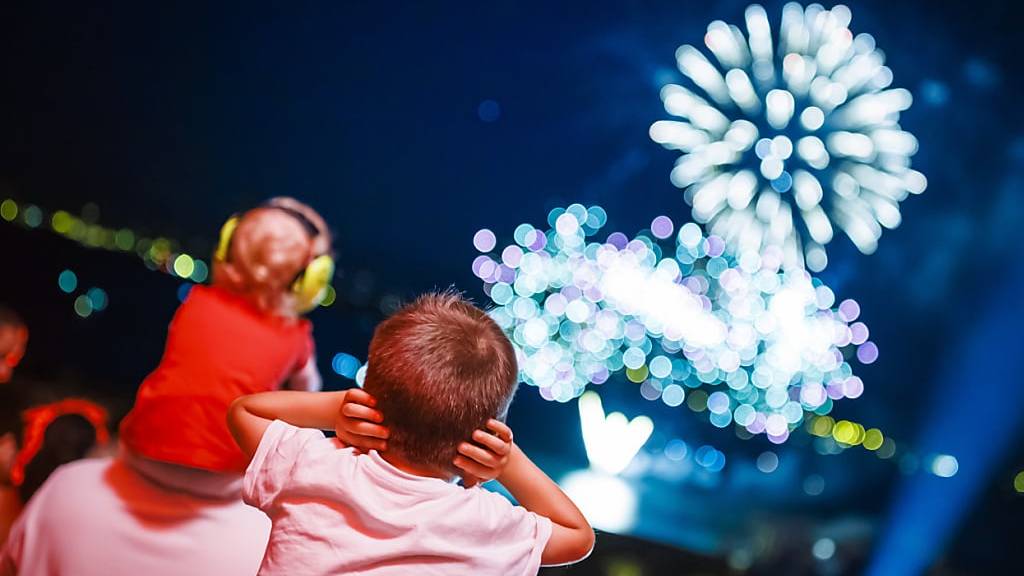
(338,512)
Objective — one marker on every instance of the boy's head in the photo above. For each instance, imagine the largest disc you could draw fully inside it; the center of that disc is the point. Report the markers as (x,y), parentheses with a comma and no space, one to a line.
(13,338)
(267,250)
(439,369)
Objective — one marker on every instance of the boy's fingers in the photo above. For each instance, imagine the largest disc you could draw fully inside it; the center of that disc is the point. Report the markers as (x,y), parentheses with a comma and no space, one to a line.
(369,429)
(471,467)
(478,454)
(362,412)
(360,396)
(500,429)
(492,442)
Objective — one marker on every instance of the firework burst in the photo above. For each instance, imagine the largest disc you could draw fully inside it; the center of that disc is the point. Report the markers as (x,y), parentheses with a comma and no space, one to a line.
(782,142)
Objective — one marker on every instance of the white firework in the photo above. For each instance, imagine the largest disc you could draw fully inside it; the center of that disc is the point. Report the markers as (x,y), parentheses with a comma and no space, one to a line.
(791,139)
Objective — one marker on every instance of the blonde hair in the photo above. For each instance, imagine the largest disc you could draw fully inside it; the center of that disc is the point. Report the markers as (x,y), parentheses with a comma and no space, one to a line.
(268,248)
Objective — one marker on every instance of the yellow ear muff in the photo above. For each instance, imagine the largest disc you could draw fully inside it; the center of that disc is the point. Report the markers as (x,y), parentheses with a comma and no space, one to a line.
(224,244)
(311,286)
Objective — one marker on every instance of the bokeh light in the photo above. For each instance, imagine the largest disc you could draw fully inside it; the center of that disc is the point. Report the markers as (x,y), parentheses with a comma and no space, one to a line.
(159,254)
(945,466)
(67,281)
(814,485)
(767,462)
(824,548)
(345,365)
(873,439)
(489,111)
(781,143)
(32,216)
(83,306)
(61,222)
(742,339)
(98,298)
(484,240)
(8,210)
(200,271)
(710,458)
(675,449)
(183,291)
(845,434)
(1018,482)
(184,266)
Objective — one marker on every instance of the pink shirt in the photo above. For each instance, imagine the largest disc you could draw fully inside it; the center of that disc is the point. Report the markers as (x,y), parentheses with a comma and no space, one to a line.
(103,518)
(338,512)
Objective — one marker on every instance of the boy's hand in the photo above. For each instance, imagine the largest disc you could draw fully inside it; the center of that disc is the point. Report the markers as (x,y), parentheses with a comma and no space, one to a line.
(486,459)
(358,423)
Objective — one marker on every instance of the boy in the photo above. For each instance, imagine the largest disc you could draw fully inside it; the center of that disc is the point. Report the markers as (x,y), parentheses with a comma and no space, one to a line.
(438,369)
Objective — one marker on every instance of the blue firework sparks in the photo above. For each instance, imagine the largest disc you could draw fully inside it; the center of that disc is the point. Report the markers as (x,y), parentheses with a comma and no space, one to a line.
(782,142)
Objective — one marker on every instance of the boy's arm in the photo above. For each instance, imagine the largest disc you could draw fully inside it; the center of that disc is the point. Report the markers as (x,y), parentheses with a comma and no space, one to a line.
(249,416)
(572,538)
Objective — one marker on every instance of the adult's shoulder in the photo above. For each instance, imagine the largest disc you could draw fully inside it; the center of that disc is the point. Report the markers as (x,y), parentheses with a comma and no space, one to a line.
(63,489)
(81,470)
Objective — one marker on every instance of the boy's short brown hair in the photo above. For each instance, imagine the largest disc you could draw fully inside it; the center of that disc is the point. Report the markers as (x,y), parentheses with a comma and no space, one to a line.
(439,368)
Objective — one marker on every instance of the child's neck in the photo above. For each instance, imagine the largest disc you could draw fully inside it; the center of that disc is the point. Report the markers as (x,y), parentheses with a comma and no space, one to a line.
(399,461)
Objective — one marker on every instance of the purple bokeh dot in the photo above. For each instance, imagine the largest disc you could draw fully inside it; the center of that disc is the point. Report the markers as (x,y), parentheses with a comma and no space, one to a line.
(834,390)
(849,310)
(757,426)
(478,266)
(484,240)
(506,274)
(599,376)
(867,353)
(571,292)
(538,242)
(853,387)
(618,239)
(858,333)
(511,255)
(715,246)
(662,227)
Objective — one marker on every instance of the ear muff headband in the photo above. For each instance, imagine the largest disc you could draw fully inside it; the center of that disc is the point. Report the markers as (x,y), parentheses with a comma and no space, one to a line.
(310,286)
(224,243)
